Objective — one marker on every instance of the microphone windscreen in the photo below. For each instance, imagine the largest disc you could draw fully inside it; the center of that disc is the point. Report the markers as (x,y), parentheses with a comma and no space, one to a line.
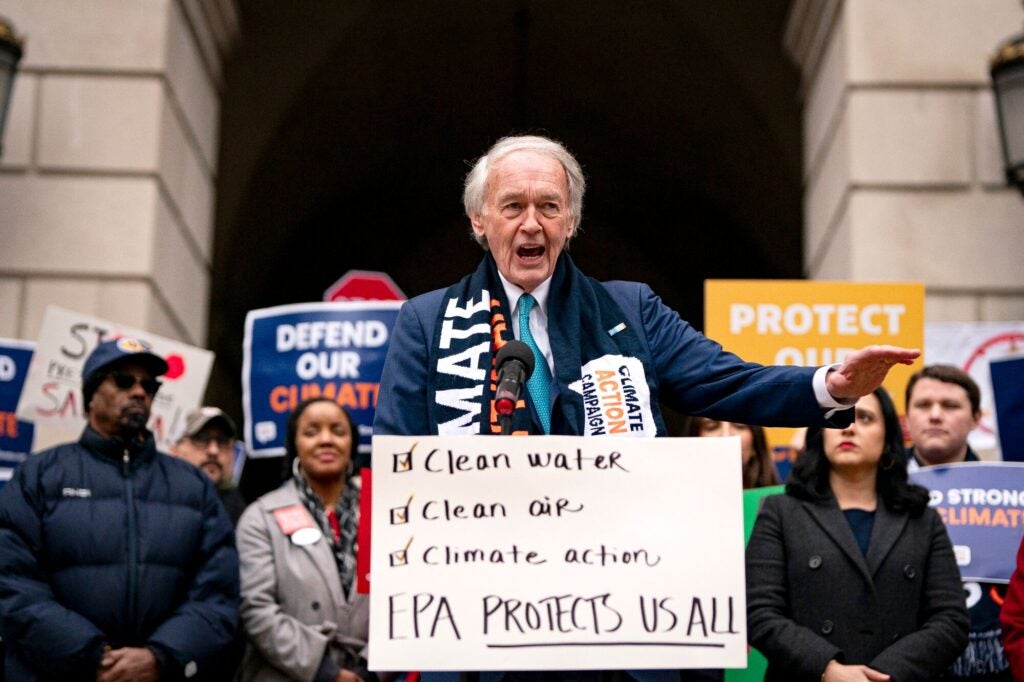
(515,349)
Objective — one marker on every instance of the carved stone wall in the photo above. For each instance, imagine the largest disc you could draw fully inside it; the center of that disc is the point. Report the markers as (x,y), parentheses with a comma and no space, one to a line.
(109,162)
(903,173)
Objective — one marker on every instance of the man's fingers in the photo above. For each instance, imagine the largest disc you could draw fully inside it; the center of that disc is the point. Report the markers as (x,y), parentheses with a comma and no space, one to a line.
(110,658)
(862,371)
(893,354)
(875,676)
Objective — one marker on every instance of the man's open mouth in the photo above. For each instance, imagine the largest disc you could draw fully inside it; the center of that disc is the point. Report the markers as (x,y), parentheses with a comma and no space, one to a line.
(528,252)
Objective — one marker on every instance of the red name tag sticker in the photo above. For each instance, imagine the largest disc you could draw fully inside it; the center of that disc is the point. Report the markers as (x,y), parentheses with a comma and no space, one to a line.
(293,518)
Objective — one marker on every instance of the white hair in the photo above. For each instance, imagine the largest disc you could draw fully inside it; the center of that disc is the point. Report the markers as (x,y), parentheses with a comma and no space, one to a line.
(475,193)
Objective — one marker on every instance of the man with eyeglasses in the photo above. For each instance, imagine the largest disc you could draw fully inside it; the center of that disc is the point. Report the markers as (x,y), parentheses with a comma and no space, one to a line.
(209,443)
(116,562)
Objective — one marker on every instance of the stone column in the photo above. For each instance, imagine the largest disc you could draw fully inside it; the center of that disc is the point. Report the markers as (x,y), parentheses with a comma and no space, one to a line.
(903,173)
(109,162)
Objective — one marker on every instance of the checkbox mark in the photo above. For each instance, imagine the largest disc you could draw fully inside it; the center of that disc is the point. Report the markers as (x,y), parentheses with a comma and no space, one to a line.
(400,515)
(402,462)
(400,557)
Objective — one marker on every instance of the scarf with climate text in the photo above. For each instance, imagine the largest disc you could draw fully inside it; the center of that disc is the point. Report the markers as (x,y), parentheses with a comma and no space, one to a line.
(601,364)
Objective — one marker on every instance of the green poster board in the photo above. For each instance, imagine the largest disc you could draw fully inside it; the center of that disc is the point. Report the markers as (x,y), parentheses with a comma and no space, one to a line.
(756,664)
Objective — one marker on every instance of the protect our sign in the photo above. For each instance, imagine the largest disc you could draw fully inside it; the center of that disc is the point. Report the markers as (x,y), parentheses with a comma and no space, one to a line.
(52,396)
(299,351)
(982,505)
(556,552)
(15,434)
(796,322)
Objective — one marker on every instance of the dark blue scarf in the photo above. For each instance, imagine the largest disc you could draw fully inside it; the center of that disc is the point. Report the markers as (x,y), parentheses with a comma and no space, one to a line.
(590,339)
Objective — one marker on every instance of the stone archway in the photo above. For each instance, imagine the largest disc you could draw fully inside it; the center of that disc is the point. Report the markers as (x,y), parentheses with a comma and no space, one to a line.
(346,132)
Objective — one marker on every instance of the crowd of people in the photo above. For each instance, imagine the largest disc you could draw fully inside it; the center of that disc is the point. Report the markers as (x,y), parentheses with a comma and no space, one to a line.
(120,563)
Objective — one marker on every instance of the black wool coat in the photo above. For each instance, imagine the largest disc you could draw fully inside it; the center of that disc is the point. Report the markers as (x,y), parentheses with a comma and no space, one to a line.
(813,596)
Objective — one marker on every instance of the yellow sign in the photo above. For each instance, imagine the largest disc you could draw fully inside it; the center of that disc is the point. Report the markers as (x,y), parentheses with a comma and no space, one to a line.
(797,322)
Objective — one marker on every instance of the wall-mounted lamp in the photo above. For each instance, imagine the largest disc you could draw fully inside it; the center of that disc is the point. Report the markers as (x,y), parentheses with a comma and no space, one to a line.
(1007,71)
(10,55)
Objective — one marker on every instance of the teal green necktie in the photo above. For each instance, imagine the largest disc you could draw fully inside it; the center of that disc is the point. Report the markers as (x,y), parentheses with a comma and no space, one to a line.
(539,383)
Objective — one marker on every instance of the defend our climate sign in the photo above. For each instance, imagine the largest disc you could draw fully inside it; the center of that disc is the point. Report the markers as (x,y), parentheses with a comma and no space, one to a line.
(304,350)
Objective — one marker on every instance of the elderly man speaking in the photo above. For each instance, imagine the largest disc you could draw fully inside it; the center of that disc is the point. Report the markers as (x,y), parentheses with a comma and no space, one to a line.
(524,199)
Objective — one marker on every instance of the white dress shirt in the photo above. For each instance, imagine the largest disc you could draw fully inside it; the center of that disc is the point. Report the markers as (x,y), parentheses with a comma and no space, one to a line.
(538,316)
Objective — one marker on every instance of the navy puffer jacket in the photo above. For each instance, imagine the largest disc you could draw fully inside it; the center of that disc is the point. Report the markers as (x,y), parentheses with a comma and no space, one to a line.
(103,543)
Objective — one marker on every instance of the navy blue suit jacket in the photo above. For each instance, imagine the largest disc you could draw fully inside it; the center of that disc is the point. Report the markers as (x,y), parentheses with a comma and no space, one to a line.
(691,373)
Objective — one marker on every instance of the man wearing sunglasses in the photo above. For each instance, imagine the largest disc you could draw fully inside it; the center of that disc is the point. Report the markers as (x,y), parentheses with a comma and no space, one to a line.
(116,562)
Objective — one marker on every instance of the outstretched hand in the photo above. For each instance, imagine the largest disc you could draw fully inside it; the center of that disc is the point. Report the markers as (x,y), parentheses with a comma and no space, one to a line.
(864,370)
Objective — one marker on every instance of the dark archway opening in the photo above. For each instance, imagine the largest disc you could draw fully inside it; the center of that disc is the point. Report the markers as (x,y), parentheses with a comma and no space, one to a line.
(347,130)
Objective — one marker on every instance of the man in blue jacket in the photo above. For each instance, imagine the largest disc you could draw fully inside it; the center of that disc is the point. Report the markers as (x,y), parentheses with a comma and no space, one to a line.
(605,353)
(116,562)
(600,348)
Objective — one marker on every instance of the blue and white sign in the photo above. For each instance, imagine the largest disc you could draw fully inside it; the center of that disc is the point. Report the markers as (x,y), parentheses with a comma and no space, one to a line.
(1008,393)
(15,434)
(304,350)
(982,504)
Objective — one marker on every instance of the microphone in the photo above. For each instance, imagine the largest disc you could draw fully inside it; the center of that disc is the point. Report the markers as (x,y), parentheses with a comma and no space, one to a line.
(515,365)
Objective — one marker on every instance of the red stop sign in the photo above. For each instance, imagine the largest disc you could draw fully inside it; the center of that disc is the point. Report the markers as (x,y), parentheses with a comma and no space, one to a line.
(364,285)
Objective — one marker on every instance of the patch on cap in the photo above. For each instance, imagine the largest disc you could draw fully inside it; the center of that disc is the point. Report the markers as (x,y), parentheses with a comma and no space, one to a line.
(129,345)
(107,353)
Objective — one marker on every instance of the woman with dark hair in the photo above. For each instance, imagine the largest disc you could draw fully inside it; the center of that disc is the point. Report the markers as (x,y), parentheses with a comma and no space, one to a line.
(297,545)
(850,575)
(758,466)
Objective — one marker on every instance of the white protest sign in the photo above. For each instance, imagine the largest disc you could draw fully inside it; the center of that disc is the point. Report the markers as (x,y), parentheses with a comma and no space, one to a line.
(52,395)
(971,346)
(556,552)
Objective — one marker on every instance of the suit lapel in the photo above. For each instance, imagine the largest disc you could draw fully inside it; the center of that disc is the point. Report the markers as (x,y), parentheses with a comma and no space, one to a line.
(887,529)
(831,520)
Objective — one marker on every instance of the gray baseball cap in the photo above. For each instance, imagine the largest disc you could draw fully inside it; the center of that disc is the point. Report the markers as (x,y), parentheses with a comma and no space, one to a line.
(197,420)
